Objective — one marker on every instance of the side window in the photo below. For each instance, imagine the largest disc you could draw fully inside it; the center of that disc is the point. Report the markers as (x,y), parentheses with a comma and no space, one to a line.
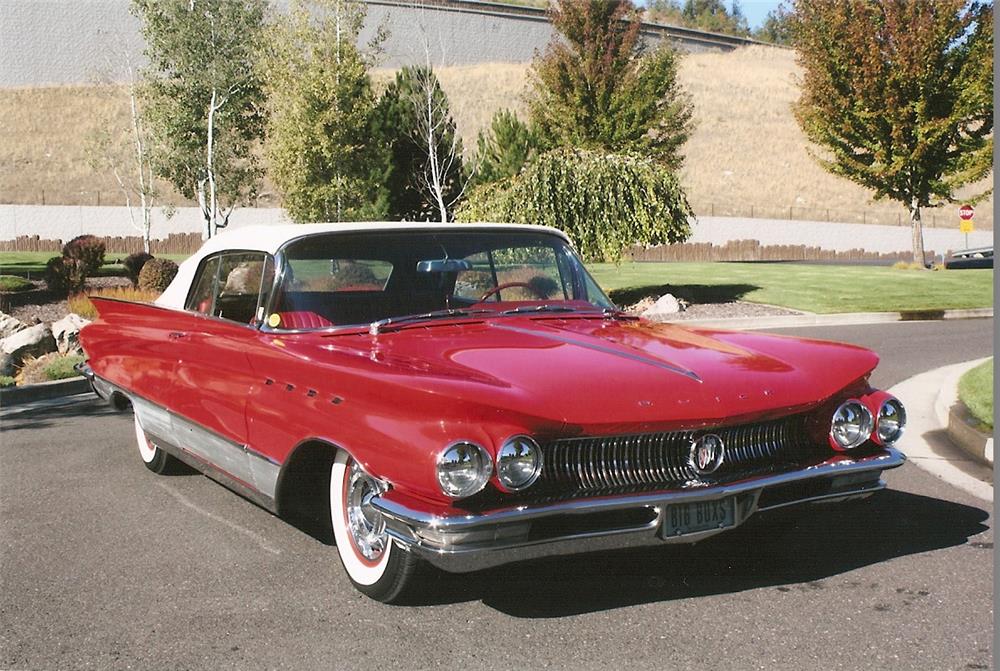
(203,296)
(230,286)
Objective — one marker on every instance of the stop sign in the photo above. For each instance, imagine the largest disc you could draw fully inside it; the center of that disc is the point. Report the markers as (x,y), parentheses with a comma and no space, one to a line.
(966,212)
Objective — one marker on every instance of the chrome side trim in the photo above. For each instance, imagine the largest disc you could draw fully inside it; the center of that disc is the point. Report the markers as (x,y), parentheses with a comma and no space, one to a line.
(234,465)
(471,542)
(210,470)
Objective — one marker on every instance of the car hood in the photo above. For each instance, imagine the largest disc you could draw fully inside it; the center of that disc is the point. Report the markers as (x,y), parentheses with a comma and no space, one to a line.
(604,375)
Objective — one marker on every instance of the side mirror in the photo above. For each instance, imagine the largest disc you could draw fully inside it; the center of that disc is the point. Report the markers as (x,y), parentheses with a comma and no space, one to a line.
(443,265)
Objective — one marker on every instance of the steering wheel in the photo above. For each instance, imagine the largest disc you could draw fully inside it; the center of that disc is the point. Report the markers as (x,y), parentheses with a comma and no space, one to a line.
(506,285)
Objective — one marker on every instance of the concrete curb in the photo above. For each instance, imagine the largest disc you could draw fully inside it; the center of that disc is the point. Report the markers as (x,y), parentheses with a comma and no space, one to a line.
(837,319)
(964,432)
(45,390)
(961,426)
(926,441)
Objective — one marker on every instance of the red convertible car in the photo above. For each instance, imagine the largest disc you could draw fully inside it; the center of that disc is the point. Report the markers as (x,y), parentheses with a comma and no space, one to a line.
(467,396)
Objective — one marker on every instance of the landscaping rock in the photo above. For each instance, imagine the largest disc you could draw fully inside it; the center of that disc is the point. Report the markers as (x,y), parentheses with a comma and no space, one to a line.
(666,305)
(66,331)
(10,325)
(35,341)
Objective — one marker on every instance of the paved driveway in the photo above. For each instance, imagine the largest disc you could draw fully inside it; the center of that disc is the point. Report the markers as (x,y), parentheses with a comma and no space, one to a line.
(106,566)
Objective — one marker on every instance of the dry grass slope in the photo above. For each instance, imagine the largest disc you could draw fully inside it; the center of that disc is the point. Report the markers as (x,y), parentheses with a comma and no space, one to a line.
(747,156)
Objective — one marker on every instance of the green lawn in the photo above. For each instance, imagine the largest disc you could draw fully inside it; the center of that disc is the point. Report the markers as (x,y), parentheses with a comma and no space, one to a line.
(975,389)
(813,288)
(33,263)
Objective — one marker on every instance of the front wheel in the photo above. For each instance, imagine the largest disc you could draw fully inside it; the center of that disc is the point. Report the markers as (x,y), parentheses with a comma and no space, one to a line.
(377,567)
(152,456)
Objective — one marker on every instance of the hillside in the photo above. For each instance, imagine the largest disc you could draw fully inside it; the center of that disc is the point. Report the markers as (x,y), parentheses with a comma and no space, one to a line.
(746,157)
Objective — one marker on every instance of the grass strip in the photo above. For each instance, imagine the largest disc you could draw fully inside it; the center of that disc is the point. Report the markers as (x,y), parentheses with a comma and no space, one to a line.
(975,390)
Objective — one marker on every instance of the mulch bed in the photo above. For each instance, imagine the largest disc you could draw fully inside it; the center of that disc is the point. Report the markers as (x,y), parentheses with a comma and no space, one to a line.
(726,310)
(43,306)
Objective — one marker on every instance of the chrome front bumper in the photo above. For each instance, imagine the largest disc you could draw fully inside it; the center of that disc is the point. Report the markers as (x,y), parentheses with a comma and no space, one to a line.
(462,543)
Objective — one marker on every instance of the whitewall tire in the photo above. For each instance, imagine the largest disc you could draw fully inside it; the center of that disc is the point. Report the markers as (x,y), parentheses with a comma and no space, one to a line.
(374,563)
(152,456)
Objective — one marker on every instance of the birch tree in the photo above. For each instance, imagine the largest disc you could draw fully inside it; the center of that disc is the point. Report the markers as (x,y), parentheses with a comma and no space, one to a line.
(900,94)
(127,152)
(205,100)
(425,177)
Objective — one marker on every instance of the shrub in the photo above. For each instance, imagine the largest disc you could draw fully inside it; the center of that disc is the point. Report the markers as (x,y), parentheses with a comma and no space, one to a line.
(48,367)
(157,274)
(61,368)
(6,381)
(88,251)
(81,305)
(604,202)
(64,275)
(133,265)
(14,283)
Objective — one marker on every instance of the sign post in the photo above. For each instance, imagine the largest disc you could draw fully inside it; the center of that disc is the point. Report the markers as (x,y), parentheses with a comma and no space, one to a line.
(965,213)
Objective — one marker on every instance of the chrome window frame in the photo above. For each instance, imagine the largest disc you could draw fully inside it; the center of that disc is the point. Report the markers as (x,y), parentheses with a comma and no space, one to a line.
(267,257)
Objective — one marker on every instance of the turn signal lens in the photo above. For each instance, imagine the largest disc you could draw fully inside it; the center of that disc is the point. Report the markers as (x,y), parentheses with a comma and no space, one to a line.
(891,421)
(463,469)
(852,424)
(519,463)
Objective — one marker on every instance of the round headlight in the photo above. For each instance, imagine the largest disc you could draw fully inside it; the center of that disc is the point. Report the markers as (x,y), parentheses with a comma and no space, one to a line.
(463,469)
(519,463)
(891,421)
(852,424)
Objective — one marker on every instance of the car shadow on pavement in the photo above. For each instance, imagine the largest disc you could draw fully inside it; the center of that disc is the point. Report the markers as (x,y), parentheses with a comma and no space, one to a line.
(40,417)
(792,549)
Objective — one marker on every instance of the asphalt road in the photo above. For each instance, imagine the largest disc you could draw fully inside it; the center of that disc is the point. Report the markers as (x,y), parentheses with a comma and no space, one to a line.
(107,566)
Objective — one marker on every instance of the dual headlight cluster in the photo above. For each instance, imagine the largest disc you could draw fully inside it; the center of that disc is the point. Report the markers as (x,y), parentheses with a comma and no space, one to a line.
(853,423)
(464,468)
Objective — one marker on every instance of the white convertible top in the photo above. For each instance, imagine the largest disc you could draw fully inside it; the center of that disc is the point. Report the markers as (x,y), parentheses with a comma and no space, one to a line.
(262,238)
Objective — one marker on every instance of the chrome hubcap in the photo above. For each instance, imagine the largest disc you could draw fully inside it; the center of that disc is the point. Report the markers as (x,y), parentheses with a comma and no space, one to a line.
(364,522)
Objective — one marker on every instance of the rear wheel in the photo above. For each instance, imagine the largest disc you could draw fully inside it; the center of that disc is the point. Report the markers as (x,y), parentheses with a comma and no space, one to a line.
(154,457)
(375,564)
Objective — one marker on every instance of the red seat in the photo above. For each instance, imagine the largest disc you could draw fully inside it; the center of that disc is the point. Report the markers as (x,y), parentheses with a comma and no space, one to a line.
(303,319)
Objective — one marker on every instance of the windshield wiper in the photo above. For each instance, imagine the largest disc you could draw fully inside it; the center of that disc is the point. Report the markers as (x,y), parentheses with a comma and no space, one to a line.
(377,326)
(539,308)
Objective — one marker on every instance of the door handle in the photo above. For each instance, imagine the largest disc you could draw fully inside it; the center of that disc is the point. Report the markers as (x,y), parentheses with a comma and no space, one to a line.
(175,335)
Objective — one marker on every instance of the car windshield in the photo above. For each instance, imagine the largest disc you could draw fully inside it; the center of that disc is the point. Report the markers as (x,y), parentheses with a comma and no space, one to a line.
(346,279)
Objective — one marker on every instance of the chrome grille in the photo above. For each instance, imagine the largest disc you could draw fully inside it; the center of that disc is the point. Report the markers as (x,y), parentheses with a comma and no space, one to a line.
(614,462)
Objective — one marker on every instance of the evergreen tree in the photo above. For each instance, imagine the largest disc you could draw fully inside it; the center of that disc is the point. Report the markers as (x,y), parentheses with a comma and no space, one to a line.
(423,176)
(594,87)
(503,148)
(900,94)
(778,27)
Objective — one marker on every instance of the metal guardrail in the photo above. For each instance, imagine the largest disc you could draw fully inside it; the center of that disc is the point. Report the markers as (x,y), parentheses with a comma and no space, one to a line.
(691,36)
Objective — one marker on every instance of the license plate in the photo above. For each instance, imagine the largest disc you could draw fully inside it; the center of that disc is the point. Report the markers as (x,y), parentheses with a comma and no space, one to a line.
(690,518)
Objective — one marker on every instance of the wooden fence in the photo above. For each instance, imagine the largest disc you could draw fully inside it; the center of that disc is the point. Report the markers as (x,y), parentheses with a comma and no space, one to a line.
(752,250)
(176,243)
